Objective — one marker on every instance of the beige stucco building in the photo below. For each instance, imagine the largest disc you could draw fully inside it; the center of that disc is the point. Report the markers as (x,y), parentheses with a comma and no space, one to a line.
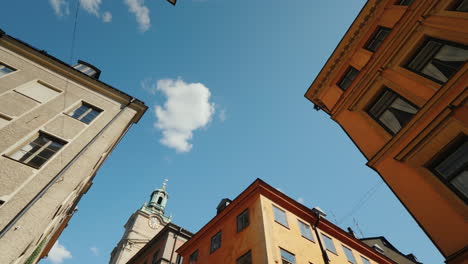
(58,124)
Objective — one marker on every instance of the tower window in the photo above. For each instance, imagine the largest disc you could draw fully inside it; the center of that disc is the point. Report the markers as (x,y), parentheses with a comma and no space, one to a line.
(4,70)
(328,243)
(245,259)
(349,255)
(438,59)
(348,78)
(287,257)
(451,167)
(392,111)
(85,113)
(243,220)
(160,200)
(39,150)
(215,242)
(379,36)
(280,216)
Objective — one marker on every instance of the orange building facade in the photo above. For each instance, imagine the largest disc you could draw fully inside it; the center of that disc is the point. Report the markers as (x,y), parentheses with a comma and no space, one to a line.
(397,85)
(263,225)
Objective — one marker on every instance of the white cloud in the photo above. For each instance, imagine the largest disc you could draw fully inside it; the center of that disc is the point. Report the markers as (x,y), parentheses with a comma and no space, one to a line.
(58,253)
(301,200)
(106,17)
(94,250)
(60,7)
(91,6)
(141,12)
(222,115)
(187,108)
(149,85)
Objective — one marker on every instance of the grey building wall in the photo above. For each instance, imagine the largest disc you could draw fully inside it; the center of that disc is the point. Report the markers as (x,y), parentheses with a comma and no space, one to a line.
(19,182)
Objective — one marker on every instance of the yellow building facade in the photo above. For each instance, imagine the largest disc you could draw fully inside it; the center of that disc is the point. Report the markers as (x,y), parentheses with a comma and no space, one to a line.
(263,225)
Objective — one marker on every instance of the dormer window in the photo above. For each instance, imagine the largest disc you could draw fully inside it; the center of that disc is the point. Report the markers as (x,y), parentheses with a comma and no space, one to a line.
(88,69)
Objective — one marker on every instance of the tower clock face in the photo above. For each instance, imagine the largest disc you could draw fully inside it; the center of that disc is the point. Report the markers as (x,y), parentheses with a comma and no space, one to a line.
(153,222)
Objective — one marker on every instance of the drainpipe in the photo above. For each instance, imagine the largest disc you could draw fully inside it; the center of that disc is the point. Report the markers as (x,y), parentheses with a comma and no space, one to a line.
(61,172)
(175,241)
(324,252)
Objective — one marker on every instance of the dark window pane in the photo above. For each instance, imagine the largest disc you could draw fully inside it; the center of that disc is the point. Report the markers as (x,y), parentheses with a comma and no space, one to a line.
(280,216)
(438,60)
(193,258)
(245,259)
(305,230)
(90,116)
(215,242)
(37,161)
(86,113)
(38,151)
(349,255)
(79,111)
(348,78)
(243,220)
(377,39)
(405,2)
(328,243)
(452,169)
(392,111)
(287,257)
(461,6)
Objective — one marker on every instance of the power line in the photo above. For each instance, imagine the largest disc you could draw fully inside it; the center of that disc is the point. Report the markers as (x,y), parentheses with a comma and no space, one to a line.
(363,200)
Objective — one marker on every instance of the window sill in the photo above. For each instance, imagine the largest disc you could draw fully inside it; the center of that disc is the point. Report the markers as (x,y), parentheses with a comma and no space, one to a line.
(285,226)
(309,239)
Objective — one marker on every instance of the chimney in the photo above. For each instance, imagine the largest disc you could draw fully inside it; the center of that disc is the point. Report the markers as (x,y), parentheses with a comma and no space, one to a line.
(222,205)
(319,212)
(351,232)
(412,257)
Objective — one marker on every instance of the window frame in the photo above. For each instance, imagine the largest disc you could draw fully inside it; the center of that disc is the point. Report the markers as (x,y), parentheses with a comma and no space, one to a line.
(241,225)
(416,52)
(374,101)
(325,244)
(344,76)
(346,249)
(85,113)
(193,259)
(30,140)
(13,69)
(286,224)
(287,252)
(301,223)
(212,244)
(373,38)
(365,260)
(247,254)
(440,157)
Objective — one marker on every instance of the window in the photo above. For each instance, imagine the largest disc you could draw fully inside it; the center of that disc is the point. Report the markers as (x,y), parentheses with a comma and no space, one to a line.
(243,220)
(193,259)
(280,216)
(85,113)
(438,60)
(349,255)
(305,230)
(460,6)
(348,78)
(452,167)
(364,260)
(377,39)
(4,70)
(215,242)
(37,91)
(179,259)
(245,259)
(39,150)
(392,111)
(328,243)
(287,257)
(405,2)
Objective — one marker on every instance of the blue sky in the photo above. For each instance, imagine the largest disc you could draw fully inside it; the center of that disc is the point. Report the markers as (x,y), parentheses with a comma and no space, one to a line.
(245,65)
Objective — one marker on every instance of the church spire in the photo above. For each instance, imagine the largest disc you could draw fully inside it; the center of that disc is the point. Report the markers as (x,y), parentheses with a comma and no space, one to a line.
(158,199)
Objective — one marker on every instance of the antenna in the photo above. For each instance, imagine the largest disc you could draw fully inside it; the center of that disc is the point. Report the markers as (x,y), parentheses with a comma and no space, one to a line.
(357,227)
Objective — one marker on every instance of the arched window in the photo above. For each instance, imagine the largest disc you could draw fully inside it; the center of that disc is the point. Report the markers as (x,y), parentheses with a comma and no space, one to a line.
(160,200)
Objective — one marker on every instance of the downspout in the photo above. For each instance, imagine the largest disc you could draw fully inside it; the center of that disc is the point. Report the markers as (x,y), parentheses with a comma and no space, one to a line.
(324,253)
(175,241)
(61,172)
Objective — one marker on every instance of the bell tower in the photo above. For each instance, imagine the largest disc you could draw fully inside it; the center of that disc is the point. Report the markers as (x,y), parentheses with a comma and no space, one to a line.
(142,226)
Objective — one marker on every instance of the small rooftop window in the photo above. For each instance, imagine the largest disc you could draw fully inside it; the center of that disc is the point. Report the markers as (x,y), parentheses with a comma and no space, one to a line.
(88,69)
